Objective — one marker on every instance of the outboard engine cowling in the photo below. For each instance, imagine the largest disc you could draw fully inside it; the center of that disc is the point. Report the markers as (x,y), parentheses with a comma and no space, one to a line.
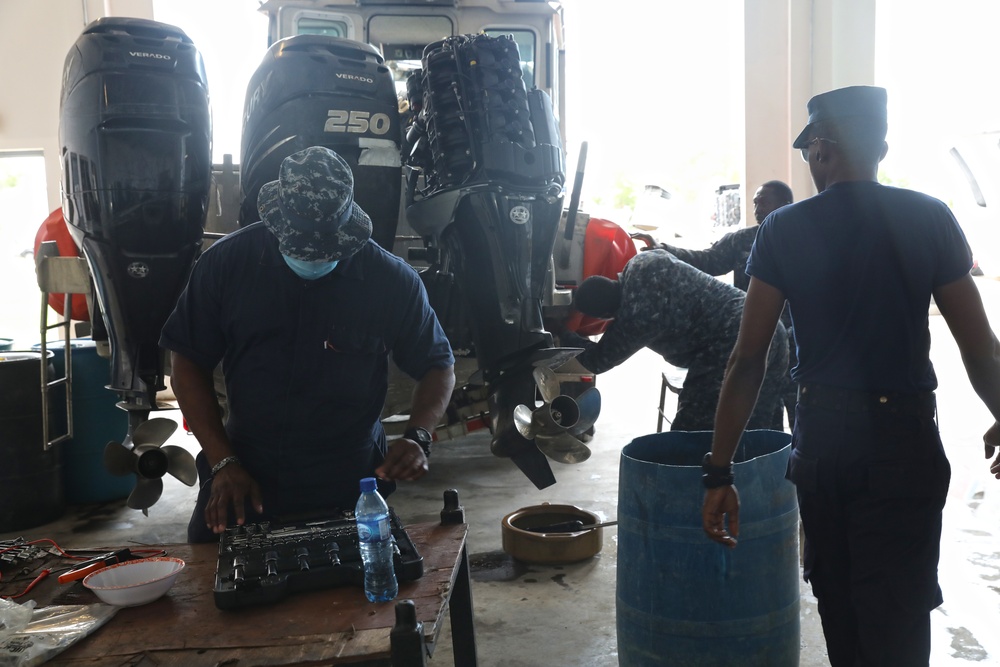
(315,90)
(135,142)
(485,191)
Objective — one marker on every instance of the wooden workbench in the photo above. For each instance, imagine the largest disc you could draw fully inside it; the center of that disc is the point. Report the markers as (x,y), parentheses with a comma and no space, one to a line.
(333,626)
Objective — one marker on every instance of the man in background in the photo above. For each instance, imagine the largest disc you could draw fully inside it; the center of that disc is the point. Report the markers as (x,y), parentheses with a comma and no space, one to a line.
(686,316)
(730,253)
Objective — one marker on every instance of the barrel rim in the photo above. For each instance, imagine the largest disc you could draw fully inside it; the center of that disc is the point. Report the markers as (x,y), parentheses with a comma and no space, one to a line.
(755,434)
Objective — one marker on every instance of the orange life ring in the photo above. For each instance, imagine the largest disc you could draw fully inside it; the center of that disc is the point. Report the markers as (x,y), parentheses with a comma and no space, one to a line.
(54,229)
(607,248)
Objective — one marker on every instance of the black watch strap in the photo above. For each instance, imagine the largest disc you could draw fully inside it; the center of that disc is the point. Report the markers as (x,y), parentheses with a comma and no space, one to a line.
(715,476)
(421,436)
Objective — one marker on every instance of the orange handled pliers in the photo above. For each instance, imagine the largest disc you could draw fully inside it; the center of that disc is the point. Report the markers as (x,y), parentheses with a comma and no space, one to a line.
(95,564)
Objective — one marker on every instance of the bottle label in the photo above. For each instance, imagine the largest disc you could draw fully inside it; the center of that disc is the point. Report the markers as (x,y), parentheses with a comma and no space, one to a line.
(369,531)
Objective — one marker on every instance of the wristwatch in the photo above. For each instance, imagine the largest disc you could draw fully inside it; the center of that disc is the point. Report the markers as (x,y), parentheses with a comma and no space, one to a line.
(421,436)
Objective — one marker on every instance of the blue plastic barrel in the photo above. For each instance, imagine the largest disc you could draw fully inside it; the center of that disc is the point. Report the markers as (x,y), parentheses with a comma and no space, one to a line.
(685,600)
(96,421)
(31,491)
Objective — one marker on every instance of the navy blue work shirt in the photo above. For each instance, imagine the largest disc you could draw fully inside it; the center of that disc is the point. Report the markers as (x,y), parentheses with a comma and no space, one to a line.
(858,264)
(305,361)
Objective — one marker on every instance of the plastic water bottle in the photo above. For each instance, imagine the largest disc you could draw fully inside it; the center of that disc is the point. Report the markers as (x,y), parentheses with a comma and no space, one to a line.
(375,541)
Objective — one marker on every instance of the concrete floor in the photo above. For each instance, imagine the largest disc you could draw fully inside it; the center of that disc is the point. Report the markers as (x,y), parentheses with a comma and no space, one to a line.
(530,615)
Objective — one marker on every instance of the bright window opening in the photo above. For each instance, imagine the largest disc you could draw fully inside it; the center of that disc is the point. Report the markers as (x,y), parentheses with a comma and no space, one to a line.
(305,24)
(22,210)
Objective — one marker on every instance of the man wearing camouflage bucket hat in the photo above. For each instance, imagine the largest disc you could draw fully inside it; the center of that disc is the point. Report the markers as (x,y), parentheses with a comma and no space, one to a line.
(310,209)
(303,310)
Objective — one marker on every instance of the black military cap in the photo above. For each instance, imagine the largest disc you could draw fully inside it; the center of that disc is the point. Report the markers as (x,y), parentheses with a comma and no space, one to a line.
(867,102)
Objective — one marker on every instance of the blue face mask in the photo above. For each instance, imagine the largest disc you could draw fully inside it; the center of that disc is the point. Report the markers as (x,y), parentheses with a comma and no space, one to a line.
(309,270)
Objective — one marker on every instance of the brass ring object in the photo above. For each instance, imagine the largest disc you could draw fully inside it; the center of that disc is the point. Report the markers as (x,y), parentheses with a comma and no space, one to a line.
(550,548)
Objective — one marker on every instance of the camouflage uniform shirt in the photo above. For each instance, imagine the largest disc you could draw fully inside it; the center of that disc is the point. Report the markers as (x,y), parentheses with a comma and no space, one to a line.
(691,320)
(729,253)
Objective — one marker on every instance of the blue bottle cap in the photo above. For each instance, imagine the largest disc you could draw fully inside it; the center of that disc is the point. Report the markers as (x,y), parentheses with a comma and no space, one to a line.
(368,484)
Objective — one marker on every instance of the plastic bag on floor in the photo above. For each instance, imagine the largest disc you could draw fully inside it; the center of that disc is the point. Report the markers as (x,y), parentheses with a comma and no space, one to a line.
(51,631)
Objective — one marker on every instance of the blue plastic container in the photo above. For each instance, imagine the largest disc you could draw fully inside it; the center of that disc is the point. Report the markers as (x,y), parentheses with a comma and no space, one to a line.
(96,421)
(685,600)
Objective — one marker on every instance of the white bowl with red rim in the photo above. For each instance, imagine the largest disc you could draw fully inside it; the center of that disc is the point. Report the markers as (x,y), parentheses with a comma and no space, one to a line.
(134,582)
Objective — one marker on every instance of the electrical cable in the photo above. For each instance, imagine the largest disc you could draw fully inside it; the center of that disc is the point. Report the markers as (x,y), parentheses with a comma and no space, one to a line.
(147,553)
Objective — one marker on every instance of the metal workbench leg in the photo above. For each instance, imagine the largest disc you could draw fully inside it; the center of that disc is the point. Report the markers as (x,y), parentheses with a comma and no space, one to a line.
(463,630)
(406,639)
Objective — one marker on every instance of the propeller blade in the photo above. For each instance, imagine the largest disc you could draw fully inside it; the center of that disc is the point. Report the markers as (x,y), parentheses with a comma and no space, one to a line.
(145,494)
(589,404)
(547,383)
(553,357)
(563,448)
(523,421)
(154,431)
(118,459)
(181,465)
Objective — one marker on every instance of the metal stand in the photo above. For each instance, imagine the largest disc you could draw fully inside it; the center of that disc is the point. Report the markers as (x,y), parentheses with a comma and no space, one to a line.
(661,416)
(58,275)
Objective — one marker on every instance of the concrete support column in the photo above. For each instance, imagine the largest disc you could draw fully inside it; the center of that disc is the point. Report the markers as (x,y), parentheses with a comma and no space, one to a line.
(767,39)
(794,50)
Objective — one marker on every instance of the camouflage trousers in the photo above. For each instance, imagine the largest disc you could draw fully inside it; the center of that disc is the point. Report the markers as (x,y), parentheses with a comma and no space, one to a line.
(699,396)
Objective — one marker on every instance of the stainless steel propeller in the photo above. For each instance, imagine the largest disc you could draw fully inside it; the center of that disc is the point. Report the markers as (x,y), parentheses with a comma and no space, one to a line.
(144,455)
(555,425)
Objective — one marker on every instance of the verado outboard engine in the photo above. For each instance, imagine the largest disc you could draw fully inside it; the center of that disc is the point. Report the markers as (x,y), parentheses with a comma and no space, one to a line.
(135,140)
(315,90)
(485,191)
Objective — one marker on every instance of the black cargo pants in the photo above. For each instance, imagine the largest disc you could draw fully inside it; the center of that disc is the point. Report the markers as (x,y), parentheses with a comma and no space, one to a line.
(872,478)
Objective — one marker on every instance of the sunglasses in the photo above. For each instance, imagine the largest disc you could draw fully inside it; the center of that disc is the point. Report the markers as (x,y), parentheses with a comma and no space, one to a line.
(805,149)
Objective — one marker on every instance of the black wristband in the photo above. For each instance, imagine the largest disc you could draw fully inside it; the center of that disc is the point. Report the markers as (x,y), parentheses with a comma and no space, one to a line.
(715,476)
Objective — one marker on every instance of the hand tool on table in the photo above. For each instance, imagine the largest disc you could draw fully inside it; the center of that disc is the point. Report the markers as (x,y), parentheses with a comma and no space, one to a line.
(94,564)
(574,526)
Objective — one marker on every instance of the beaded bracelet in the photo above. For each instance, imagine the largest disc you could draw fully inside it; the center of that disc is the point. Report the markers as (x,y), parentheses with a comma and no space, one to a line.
(223,463)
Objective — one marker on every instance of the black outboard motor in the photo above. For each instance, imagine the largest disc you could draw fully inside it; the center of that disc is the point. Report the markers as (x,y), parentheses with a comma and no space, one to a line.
(485,191)
(315,90)
(135,140)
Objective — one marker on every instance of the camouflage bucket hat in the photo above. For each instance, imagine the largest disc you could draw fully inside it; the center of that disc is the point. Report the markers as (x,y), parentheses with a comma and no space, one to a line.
(311,209)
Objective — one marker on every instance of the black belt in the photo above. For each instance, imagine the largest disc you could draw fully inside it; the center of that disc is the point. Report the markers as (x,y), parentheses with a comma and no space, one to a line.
(849,400)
